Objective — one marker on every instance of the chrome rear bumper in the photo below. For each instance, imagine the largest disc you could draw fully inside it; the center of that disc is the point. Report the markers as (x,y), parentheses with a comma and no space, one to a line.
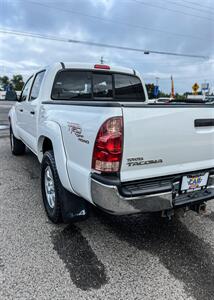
(109,198)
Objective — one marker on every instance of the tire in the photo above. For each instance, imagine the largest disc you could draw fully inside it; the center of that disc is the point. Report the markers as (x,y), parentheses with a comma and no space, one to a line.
(17,146)
(52,207)
(66,207)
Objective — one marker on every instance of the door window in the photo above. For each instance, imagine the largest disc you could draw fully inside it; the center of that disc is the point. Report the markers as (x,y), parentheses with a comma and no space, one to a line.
(36,86)
(25,91)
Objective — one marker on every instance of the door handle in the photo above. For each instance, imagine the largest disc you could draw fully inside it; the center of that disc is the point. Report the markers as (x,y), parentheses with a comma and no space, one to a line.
(32,112)
(204,122)
(21,110)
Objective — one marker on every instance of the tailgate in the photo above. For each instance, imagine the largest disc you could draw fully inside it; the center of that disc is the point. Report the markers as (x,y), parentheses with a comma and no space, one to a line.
(166,140)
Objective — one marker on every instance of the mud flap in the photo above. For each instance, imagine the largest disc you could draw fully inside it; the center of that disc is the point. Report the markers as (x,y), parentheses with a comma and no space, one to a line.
(74,208)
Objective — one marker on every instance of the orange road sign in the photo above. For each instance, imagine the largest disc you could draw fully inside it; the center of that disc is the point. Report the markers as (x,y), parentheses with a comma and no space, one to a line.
(195,88)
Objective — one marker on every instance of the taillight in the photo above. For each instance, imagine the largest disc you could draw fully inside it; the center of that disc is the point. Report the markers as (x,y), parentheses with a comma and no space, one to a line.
(108,146)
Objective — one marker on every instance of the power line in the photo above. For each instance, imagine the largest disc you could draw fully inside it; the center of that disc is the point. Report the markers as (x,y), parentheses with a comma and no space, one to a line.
(93,17)
(189,7)
(194,3)
(103,45)
(172,10)
(178,78)
(180,63)
(164,64)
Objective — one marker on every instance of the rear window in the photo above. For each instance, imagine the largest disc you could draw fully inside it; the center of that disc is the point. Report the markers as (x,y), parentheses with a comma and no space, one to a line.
(89,85)
(72,85)
(102,85)
(128,87)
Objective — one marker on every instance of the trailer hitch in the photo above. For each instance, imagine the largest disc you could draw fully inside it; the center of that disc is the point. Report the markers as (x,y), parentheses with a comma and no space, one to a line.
(199,208)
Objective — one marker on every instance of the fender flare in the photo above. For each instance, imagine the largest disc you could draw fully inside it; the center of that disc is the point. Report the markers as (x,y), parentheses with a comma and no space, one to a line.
(52,131)
(13,121)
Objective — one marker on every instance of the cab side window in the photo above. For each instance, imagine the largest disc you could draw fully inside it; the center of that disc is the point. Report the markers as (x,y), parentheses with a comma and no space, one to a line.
(36,85)
(25,91)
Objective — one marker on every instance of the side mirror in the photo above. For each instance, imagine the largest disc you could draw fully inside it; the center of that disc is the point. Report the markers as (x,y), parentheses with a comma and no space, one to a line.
(19,98)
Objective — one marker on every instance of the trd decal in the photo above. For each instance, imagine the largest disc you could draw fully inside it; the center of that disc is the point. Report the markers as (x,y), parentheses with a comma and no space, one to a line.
(76,129)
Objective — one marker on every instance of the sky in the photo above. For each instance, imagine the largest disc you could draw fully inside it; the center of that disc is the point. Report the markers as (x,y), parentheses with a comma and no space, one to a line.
(182,26)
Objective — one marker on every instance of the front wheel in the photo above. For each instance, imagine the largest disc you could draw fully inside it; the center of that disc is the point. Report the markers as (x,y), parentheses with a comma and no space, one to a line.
(17,146)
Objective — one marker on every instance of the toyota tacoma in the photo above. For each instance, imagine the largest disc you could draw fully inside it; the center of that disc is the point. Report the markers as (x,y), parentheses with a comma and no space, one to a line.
(100,142)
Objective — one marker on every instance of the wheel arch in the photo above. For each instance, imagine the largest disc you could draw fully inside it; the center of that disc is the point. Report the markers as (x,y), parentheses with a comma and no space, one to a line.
(44,144)
(13,121)
(51,139)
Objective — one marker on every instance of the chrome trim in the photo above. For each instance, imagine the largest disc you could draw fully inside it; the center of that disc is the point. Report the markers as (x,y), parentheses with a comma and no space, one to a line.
(211,178)
(108,198)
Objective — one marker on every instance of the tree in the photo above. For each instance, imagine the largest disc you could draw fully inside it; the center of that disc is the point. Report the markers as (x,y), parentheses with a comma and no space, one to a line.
(4,80)
(150,90)
(17,82)
(162,94)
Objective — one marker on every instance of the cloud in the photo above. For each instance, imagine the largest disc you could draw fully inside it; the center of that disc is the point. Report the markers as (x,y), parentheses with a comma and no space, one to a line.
(131,27)
(104,5)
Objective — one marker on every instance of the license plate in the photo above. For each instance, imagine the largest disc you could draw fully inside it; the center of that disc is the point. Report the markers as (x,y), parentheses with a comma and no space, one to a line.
(194,182)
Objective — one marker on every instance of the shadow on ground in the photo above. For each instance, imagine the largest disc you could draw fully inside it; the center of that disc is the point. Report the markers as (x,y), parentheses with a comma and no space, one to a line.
(85,270)
(188,258)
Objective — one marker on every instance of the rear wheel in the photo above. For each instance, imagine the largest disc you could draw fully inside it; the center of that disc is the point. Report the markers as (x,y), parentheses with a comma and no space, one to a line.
(51,188)
(17,146)
(60,204)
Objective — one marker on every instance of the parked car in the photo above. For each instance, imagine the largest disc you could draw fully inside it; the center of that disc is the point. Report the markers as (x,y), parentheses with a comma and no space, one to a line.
(195,98)
(161,100)
(2,95)
(209,99)
(152,101)
(99,142)
(164,99)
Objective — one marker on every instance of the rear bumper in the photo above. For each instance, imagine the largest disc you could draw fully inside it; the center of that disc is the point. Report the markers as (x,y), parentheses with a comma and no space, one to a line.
(115,199)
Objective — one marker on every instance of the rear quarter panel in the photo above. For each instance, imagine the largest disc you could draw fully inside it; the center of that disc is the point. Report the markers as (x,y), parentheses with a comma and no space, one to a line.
(79,126)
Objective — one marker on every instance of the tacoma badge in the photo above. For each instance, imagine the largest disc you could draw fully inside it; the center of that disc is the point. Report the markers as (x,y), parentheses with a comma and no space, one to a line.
(139,161)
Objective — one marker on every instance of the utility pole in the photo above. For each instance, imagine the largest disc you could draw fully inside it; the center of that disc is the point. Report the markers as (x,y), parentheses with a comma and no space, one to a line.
(156,86)
(172,88)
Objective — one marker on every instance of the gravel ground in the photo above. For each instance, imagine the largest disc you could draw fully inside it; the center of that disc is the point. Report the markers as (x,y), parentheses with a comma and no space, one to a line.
(105,257)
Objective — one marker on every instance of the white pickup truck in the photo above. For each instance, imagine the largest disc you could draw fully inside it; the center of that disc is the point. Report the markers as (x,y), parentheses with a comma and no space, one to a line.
(100,142)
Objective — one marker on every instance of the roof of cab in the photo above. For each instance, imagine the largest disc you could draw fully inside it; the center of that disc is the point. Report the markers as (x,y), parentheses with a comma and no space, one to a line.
(89,66)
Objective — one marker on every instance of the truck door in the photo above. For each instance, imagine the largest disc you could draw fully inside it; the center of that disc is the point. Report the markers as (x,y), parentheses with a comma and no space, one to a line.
(20,107)
(31,107)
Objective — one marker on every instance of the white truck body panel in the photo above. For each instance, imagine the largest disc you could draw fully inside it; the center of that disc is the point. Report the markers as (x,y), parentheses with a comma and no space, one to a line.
(169,134)
(78,153)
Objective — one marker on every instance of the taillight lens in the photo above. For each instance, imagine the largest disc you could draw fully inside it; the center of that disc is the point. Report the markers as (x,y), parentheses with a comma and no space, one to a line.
(108,146)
